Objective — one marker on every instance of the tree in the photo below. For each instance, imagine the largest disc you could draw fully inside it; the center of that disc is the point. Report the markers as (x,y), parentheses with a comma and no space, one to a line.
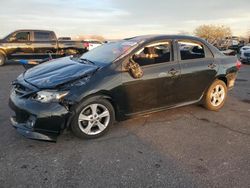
(213,33)
(248,35)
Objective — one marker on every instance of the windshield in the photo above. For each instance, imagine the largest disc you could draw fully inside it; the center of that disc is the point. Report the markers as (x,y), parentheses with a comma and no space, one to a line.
(109,52)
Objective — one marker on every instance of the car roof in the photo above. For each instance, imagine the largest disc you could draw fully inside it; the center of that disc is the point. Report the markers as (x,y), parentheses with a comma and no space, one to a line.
(149,38)
(33,30)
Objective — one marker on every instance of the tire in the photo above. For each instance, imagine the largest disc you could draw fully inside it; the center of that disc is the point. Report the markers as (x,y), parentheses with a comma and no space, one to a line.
(215,96)
(2,59)
(89,123)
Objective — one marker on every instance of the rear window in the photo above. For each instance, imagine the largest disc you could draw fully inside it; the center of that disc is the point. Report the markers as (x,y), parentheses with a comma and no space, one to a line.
(43,36)
(191,50)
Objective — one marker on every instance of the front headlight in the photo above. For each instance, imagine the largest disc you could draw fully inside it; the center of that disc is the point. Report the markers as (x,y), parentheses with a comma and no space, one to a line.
(48,96)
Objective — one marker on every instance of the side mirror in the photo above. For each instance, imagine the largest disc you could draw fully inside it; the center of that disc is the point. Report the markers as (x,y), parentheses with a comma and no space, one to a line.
(134,69)
(12,39)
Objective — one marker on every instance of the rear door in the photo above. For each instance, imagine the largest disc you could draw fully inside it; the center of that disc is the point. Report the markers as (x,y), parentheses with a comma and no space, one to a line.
(20,45)
(198,69)
(44,43)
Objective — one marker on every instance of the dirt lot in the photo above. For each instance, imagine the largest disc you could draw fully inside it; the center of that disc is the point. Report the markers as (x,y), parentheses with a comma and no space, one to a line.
(184,147)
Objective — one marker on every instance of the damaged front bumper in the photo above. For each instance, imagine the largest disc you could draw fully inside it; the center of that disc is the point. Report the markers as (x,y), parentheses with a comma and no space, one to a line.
(35,120)
(29,133)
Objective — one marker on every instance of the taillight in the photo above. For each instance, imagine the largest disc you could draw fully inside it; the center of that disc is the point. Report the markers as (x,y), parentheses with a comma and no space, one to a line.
(238,64)
(86,44)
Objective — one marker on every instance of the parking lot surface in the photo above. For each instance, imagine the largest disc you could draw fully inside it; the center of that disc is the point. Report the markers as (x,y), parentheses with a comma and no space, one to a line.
(183,147)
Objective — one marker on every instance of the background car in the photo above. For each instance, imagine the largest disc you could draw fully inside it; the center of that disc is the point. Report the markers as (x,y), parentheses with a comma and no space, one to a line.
(244,48)
(36,44)
(245,56)
(90,44)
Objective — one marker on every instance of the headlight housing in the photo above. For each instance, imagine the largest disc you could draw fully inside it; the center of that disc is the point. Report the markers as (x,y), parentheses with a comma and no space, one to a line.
(47,96)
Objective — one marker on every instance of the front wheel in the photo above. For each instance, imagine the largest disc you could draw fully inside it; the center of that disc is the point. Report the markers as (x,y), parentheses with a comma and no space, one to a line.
(215,96)
(93,118)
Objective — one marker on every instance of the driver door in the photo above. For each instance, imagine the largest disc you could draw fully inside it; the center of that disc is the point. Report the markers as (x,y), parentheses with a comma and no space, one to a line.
(145,93)
(20,45)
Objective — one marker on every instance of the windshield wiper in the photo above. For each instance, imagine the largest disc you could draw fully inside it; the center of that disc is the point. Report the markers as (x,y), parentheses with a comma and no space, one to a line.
(87,60)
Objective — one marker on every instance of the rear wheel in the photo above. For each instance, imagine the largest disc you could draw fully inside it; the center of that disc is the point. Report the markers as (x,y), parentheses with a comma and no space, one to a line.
(215,96)
(2,59)
(93,118)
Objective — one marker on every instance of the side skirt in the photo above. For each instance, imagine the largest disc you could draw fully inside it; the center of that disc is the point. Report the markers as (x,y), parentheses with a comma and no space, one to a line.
(132,115)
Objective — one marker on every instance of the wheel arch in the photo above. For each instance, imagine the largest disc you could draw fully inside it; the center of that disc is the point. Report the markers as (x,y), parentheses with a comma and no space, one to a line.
(101,94)
(2,51)
(222,78)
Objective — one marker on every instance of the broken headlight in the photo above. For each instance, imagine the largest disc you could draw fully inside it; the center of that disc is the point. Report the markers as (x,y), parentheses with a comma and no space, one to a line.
(47,96)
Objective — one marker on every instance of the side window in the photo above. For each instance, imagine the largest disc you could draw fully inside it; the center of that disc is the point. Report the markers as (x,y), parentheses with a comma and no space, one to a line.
(191,50)
(20,37)
(43,36)
(154,54)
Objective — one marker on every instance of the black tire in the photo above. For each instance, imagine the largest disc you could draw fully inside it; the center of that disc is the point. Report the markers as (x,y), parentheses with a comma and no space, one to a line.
(2,59)
(211,96)
(75,125)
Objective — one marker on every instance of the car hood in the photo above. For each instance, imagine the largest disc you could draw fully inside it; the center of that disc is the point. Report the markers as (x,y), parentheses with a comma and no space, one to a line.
(56,72)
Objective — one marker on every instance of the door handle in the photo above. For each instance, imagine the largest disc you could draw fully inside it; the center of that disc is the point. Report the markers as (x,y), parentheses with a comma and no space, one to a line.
(28,43)
(173,72)
(212,65)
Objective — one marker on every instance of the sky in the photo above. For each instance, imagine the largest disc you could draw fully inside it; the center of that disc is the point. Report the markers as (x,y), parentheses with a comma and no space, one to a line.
(122,18)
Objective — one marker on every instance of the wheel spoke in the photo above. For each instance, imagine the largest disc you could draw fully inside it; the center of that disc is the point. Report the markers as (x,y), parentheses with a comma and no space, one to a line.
(100,125)
(218,88)
(93,108)
(83,117)
(88,128)
(104,114)
(213,101)
(219,100)
(221,92)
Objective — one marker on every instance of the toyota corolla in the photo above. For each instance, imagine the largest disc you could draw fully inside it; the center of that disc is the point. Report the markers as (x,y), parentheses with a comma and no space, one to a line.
(118,80)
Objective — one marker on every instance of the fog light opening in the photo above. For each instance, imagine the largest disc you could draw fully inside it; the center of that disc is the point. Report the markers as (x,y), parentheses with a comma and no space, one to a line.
(31,122)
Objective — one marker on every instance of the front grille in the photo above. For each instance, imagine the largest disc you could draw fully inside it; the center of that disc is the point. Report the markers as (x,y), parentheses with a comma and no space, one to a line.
(247,54)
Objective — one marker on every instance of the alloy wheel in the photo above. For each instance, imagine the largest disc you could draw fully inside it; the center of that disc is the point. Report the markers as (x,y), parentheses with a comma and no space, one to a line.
(94,119)
(217,95)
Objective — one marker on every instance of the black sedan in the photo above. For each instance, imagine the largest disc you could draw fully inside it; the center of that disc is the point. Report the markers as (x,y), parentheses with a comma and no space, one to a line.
(119,80)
